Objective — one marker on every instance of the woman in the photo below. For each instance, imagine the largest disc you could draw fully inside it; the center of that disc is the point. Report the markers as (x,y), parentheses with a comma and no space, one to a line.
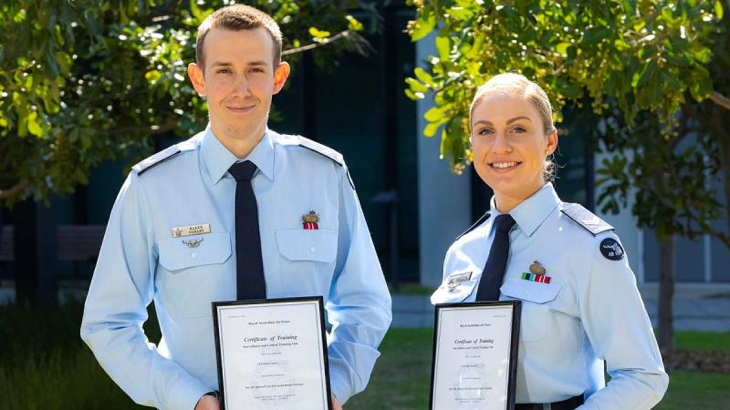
(580,304)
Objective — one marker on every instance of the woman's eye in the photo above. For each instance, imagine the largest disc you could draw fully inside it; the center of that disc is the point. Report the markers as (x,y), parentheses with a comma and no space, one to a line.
(485,131)
(519,130)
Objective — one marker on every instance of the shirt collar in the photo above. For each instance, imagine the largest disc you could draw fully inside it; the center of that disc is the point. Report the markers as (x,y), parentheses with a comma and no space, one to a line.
(218,159)
(533,211)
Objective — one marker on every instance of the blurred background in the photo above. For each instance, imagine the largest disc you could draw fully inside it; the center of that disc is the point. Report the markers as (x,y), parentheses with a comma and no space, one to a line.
(88,88)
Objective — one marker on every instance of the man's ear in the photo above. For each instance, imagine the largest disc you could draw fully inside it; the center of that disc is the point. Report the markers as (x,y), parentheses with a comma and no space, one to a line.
(197,78)
(280,76)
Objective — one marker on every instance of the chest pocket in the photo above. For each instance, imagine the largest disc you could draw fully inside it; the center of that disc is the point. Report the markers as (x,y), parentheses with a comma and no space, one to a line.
(196,273)
(297,245)
(188,252)
(536,297)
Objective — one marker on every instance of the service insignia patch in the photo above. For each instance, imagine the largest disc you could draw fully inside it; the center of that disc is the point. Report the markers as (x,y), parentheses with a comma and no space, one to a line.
(611,249)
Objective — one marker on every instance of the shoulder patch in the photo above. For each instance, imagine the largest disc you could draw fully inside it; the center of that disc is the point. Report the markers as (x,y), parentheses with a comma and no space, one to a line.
(611,249)
(586,219)
(475,225)
(156,159)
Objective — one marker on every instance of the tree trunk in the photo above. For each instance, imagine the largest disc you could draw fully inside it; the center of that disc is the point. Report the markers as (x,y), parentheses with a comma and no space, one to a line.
(666,293)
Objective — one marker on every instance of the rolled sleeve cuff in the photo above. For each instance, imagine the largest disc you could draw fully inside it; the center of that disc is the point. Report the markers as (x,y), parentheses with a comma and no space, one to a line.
(340,384)
(186,394)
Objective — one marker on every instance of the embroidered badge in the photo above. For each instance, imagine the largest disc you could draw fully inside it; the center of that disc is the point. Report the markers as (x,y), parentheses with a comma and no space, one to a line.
(310,220)
(190,230)
(535,278)
(193,243)
(611,249)
(453,281)
(537,268)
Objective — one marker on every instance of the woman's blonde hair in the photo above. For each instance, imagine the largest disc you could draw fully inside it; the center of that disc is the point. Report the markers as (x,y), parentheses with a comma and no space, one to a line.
(517,85)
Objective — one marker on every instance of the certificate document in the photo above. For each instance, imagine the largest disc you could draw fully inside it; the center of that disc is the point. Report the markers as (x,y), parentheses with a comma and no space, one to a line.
(475,356)
(272,354)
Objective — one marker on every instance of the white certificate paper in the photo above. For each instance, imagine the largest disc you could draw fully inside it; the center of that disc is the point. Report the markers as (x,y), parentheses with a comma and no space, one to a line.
(475,356)
(272,354)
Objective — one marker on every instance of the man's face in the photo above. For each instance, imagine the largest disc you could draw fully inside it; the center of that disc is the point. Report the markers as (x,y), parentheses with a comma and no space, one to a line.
(239,80)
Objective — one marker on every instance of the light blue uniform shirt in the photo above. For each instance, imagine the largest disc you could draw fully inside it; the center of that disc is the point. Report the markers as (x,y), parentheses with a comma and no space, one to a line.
(590,311)
(140,261)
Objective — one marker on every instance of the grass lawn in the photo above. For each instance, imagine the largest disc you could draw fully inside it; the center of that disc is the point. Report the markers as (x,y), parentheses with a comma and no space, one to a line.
(401,379)
(44,365)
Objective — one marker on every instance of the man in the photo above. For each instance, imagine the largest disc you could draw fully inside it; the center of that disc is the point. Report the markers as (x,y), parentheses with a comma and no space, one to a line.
(236,212)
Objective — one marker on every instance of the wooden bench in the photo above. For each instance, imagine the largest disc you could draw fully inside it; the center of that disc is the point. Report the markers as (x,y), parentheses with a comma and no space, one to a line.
(76,243)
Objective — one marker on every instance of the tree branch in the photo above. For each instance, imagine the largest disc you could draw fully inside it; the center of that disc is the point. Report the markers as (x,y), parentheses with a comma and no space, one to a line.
(18,189)
(312,46)
(720,99)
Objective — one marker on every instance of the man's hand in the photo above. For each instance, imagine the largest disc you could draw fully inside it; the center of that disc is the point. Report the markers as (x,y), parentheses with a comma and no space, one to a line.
(208,402)
(335,403)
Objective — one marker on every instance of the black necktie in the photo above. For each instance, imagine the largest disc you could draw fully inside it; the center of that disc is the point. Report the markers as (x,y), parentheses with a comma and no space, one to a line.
(250,283)
(493,273)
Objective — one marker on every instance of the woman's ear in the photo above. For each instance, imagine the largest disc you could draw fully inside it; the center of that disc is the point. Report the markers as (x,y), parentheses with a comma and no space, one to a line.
(552,142)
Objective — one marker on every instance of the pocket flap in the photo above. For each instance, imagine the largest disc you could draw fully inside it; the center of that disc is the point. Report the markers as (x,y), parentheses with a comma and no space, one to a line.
(186,252)
(530,291)
(318,245)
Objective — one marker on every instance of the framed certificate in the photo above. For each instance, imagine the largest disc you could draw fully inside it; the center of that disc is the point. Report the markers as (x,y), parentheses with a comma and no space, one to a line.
(475,356)
(272,354)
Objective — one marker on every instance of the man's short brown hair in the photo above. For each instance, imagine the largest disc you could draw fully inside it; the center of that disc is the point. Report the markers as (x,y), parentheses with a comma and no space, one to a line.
(238,17)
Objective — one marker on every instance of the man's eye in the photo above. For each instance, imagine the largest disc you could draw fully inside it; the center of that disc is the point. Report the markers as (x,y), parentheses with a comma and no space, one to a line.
(224,71)
(258,70)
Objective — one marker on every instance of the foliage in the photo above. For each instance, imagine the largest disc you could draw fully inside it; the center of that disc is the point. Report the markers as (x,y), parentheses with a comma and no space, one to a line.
(642,54)
(84,81)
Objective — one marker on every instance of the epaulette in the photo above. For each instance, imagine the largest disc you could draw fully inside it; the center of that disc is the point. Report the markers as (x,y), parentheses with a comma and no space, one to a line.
(586,219)
(156,159)
(476,224)
(321,150)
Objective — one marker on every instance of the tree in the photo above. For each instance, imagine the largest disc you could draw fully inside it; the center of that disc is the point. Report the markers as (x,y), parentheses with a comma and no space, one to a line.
(86,81)
(644,65)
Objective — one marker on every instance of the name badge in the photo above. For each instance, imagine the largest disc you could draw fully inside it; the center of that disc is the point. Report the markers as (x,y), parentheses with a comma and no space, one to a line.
(190,230)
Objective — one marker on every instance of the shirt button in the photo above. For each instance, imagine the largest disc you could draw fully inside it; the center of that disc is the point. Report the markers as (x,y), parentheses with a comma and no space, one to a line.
(194,255)
(313,249)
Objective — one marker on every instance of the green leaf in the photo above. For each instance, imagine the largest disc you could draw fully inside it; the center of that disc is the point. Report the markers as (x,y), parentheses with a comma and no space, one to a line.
(320,34)
(562,48)
(33,126)
(595,35)
(718,9)
(431,129)
(443,46)
(423,27)
(423,76)
(437,114)
(353,24)
(415,86)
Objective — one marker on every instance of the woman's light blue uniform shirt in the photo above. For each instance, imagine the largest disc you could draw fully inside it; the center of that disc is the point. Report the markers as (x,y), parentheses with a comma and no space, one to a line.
(140,261)
(591,310)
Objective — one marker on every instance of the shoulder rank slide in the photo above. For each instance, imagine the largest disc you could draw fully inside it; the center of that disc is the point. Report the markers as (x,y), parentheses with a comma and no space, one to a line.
(327,152)
(156,159)
(475,225)
(586,219)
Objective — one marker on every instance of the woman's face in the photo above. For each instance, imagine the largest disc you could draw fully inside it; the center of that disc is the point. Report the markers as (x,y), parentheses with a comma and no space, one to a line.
(510,145)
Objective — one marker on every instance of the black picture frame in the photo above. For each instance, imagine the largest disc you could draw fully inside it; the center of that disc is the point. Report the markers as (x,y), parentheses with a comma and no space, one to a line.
(514,344)
(216,330)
